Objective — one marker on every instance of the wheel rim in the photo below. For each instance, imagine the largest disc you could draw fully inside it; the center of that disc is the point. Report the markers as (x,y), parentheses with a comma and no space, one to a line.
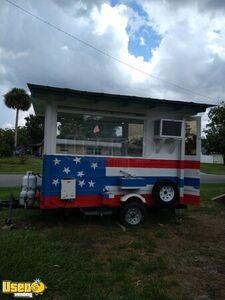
(133,216)
(167,193)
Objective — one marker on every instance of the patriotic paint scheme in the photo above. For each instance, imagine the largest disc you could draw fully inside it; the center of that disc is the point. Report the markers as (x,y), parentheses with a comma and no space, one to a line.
(103,181)
(107,152)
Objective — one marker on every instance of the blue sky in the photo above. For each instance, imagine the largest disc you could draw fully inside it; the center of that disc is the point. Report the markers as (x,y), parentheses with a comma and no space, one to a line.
(142,41)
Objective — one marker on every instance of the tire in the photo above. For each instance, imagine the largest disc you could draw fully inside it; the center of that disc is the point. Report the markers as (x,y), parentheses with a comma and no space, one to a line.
(165,192)
(132,214)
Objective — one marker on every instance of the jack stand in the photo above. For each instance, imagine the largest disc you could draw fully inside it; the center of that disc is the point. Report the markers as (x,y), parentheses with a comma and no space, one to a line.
(8,221)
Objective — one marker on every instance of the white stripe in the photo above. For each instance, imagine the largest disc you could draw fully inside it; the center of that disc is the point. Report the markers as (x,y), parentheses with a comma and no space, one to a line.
(193,173)
(150,172)
(137,172)
(117,190)
(148,190)
(189,190)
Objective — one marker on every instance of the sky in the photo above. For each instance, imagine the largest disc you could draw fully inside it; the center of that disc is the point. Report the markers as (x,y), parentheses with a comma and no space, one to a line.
(174,42)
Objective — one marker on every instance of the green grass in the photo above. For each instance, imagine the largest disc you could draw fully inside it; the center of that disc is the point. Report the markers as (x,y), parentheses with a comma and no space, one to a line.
(6,191)
(210,190)
(13,165)
(213,169)
(92,258)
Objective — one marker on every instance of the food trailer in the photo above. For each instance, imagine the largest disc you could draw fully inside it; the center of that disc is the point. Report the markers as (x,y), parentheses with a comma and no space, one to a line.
(105,152)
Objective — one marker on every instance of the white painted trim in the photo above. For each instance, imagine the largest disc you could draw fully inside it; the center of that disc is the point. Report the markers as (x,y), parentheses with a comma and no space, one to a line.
(199,140)
(127,197)
(50,129)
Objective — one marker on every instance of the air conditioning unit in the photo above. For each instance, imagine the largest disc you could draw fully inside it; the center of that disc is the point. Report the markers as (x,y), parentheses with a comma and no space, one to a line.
(166,128)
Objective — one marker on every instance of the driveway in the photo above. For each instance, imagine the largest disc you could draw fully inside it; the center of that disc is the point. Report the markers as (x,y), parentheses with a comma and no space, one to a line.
(16,180)
(210,178)
(12,180)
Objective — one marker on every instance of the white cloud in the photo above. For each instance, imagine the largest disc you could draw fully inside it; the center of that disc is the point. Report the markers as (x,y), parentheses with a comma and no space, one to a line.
(8,125)
(142,41)
(11,54)
(190,54)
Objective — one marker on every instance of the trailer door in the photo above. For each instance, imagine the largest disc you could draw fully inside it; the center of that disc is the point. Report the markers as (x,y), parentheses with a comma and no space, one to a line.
(192,160)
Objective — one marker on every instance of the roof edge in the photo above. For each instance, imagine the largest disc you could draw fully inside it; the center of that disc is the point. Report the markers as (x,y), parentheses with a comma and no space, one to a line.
(51,89)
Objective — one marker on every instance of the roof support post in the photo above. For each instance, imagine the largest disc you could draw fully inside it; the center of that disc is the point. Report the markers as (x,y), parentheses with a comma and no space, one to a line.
(50,129)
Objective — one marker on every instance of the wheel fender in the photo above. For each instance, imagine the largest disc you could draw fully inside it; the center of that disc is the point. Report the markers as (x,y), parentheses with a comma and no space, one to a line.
(133,195)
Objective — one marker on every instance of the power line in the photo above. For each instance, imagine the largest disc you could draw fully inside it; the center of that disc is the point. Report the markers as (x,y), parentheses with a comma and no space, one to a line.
(105,53)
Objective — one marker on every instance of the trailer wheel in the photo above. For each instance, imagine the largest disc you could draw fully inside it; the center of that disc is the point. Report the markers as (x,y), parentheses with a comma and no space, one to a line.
(165,192)
(132,214)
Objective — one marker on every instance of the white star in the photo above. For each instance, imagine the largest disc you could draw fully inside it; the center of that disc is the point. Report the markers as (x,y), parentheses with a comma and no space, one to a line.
(80,174)
(81,183)
(94,165)
(77,160)
(55,182)
(56,161)
(66,170)
(91,183)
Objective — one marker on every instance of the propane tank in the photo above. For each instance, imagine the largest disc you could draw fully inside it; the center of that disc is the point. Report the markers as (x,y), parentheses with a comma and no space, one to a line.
(29,180)
(23,197)
(29,185)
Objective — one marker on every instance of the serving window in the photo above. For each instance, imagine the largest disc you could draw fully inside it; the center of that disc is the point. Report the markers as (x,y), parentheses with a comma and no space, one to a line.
(88,134)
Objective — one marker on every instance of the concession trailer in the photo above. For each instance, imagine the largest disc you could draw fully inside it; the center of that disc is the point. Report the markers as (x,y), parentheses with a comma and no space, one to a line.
(105,152)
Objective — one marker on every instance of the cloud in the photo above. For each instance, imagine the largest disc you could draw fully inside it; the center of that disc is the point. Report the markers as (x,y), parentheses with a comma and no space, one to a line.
(202,5)
(142,41)
(190,52)
(78,7)
(186,54)
(7,125)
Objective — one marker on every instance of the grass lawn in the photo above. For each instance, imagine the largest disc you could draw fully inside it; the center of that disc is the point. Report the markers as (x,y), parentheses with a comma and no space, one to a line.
(169,257)
(213,169)
(13,165)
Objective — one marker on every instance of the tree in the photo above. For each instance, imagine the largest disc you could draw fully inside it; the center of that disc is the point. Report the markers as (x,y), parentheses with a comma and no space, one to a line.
(17,99)
(28,136)
(35,129)
(215,131)
(7,140)
(6,144)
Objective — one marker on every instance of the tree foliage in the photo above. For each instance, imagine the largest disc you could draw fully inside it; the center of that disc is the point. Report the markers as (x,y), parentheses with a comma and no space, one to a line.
(29,135)
(17,99)
(215,131)
(6,142)
(35,129)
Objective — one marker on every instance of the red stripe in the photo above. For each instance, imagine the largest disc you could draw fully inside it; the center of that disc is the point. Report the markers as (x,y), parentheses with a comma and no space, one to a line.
(112,202)
(151,163)
(191,164)
(190,199)
(80,201)
(52,202)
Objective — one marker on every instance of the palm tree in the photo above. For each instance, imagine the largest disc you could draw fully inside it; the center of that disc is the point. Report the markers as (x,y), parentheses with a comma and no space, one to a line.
(17,99)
